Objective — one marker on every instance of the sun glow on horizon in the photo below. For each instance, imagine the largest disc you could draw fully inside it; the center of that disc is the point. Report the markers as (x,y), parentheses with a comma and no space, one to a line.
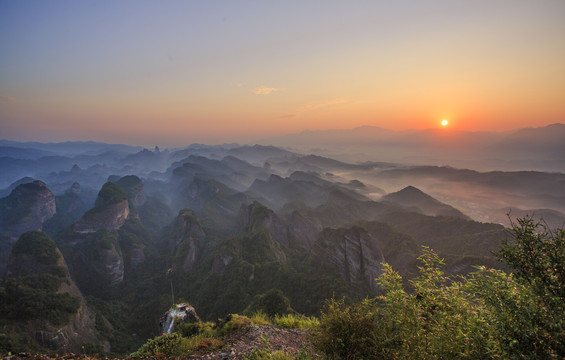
(444,122)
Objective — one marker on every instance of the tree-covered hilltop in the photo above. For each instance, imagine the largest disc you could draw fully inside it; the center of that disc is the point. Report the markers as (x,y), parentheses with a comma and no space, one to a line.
(38,297)
(110,193)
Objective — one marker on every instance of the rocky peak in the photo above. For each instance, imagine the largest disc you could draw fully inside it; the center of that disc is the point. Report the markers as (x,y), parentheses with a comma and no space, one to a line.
(27,208)
(8,190)
(74,189)
(110,212)
(256,217)
(134,189)
(186,239)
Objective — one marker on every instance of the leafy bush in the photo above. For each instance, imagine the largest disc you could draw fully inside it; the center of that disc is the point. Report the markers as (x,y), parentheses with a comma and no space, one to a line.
(272,303)
(438,320)
(236,322)
(176,345)
(346,332)
(531,314)
(169,344)
(488,314)
(192,329)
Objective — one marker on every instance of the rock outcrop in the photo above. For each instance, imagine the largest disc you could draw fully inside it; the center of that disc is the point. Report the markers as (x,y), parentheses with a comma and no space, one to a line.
(95,260)
(180,313)
(186,240)
(134,189)
(256,217)
(110,211)
(111,218)
(26,208)
(352,251)
(302,231)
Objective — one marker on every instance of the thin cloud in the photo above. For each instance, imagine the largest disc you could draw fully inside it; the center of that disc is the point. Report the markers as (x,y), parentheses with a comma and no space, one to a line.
(286,116)
(7,99)
(310,107)
(263,90)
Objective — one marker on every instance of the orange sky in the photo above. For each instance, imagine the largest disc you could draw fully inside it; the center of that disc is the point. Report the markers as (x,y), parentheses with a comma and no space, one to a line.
(149,73)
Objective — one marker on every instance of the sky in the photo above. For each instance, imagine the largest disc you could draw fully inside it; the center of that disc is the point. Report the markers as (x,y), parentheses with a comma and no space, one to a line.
(171,73)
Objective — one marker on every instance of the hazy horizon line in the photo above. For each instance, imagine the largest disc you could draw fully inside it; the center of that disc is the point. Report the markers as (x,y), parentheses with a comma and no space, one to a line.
(262,139)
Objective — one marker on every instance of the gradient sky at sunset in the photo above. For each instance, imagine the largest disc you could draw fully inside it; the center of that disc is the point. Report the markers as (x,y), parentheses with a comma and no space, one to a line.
(177,72)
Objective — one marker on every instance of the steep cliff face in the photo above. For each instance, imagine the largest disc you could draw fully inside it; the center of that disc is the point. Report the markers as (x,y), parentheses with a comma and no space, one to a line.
(186,240)
(70,208)
(302,231)
(110,212)
(26,208)
(352,251)
(41,301)
(109,217)
(134,254)
(95,260)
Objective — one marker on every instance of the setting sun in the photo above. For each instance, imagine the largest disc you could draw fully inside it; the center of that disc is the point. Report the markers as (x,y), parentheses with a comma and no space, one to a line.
(444,122)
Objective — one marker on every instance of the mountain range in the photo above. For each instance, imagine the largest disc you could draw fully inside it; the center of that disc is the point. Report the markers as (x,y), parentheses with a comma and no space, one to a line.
(114,234)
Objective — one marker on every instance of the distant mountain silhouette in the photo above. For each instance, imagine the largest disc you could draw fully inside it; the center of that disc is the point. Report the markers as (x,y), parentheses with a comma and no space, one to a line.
(526,149)
(414,199)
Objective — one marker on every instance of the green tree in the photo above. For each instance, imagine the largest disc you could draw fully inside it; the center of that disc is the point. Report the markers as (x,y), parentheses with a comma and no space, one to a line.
(437,318)
(533,311)
(273,302)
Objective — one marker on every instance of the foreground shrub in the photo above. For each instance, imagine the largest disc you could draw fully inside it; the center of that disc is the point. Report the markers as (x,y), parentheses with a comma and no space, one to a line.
(346,332)
(438,319)
(259,354)
(531,313)
(169,344)
(197,328)
(235,322)
(488,314)
(272,303)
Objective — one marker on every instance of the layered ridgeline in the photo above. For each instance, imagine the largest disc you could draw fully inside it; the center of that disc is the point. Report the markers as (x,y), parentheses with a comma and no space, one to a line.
(225,228)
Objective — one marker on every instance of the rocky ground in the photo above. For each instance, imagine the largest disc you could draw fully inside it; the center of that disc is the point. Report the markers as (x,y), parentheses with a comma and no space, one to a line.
(239,344)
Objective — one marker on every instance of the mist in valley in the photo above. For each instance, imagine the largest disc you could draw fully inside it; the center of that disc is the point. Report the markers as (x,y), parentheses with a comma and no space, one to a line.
(233,222)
